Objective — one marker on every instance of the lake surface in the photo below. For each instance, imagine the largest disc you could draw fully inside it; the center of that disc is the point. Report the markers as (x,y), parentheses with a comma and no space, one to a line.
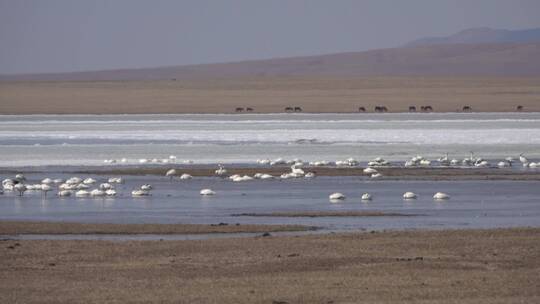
(473,204)
(87,140)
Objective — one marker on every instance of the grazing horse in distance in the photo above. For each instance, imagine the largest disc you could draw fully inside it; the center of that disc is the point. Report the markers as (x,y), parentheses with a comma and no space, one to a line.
(239,109)
(412,109)
(297,109)
(519,108)
(289,109)
(426,108)
(467,109)
(381,109)
(249,109)
(361,109)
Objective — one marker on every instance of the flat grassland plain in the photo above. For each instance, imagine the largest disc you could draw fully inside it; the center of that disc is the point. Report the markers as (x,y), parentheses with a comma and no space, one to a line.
(457,266)
(270,95)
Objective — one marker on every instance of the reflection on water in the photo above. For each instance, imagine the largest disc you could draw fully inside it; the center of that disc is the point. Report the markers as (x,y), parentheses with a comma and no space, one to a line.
(473,204)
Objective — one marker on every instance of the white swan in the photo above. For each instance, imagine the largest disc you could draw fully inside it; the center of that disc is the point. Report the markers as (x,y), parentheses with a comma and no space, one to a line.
(185,176)
(47,181)
(376,175)
(140,192)
(366,197)
(441,196)
(64,193)
(221,171)
(110,192)
(89,181)
(409,195)
(82,193)
(146,187)
(97,193)
(523,159)
(370,171)
(297,171)
(82,186)
(207,192)
(171,173)
(115,180)
(74,180)
(336,196)
(105,186)
(45,188)
(263,161)
(21,188)
(309,175)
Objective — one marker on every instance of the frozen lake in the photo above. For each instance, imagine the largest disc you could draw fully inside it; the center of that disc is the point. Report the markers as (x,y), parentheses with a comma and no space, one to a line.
(85,140)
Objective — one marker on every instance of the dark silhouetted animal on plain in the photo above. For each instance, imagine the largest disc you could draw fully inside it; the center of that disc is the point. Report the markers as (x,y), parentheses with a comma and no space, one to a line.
(297,109)
(381,109)
(467,109)
(361,109)
(426,108)
(239,109)
(249,109)
(412,109)
(519,108)
(289,109)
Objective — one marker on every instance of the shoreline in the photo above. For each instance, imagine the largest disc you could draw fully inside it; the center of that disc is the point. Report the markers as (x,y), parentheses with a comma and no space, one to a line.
(75,228)
(447,266)
(208,170)
(388,173)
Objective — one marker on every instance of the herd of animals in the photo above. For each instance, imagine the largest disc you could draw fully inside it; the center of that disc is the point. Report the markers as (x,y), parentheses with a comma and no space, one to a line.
(376,109)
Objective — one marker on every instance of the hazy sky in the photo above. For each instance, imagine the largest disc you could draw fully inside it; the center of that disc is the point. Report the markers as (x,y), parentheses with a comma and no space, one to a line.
(72,35)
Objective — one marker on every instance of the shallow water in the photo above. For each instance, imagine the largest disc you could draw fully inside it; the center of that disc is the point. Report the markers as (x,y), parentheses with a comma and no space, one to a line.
(82,140)
(473,204)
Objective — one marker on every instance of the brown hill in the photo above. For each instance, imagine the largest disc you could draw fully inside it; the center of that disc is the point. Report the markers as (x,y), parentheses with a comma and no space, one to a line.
(503,59)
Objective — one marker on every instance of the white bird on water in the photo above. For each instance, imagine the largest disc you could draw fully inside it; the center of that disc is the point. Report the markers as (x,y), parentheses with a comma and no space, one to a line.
(140,192)
(146,187)
(336,196)
(409,195)
(207,192)
(366,197)
(185,176)
(21,188)
(64,193)
(45,188)
(441,196)
(523,159)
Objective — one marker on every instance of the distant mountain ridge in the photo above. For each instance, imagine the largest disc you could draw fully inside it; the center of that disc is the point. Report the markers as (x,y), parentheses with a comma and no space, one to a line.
(482,35)
(473,52)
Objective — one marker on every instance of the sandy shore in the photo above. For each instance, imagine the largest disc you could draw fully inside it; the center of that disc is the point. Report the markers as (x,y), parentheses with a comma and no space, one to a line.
(21,227)
(463,266)
(400,173)
(271,95)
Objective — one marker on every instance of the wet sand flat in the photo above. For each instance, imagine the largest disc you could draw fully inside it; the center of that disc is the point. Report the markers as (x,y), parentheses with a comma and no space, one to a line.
(270,95)
(28,227)
(324,214)
(400,173)
(461,266)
